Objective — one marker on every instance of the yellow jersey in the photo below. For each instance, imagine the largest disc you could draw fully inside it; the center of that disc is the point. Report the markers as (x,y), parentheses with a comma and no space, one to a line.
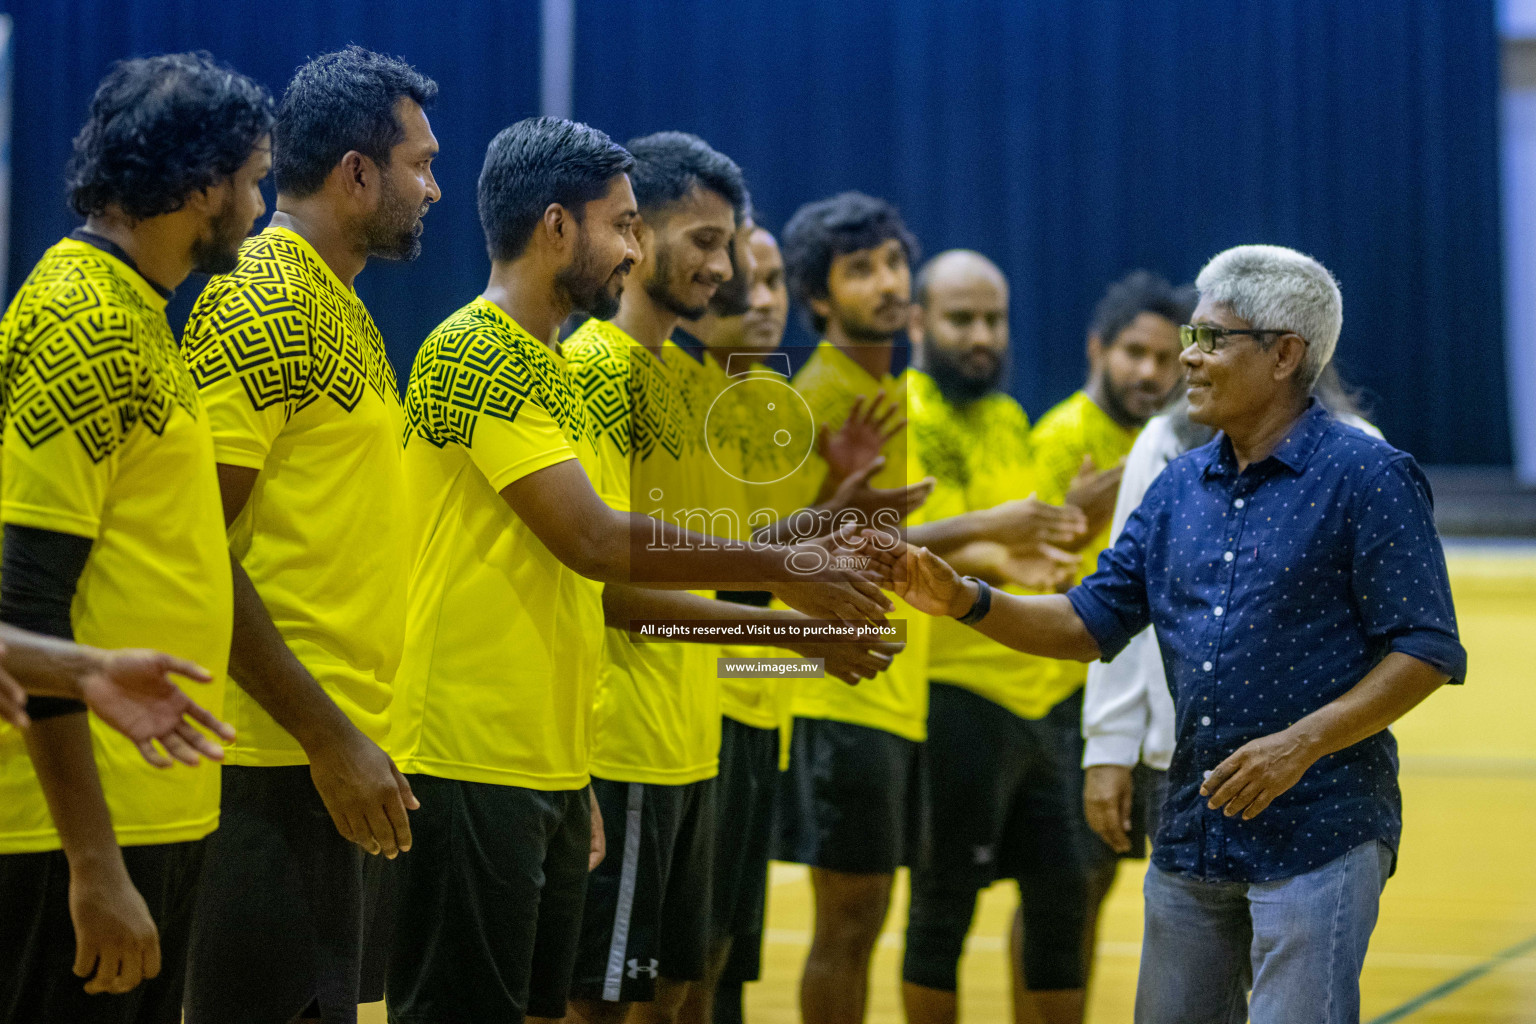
(896,700)
(656,718)
(1076,428)
(105,438)
(503,641)
(980,455)
(749,432)
(298,387)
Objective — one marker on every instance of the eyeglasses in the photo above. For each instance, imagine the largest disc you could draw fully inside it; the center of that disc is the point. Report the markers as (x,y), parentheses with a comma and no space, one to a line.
(1208,339)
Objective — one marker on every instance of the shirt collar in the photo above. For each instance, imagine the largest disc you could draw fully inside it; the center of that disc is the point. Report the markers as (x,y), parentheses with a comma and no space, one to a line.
(117,252)
(1293,452)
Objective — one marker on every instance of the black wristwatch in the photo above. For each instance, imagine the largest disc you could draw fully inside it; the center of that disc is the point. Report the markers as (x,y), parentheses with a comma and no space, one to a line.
(981,607)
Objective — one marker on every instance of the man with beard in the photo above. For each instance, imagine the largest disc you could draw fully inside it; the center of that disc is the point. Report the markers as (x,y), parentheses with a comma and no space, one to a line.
(307,423)
(1001,796)
(850,805)
(113,537)
(1133,367)
(656,723)
(505,625)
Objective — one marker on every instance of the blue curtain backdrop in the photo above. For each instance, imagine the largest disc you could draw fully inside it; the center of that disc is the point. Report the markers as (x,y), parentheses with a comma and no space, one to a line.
(484,56)
(1071,140)
(1074,140)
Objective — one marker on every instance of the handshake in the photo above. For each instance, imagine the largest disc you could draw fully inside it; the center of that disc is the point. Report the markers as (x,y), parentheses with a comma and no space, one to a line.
(847,571)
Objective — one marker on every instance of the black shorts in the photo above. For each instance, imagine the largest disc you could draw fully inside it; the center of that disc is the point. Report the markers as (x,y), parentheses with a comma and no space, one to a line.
(488,907)
(749,769)
(647,912)
(1006,793)
(37,938)
(851,800)
(283,926)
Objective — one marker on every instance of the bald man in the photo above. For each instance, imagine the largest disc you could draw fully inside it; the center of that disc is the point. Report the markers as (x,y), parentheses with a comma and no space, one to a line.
(1003,782)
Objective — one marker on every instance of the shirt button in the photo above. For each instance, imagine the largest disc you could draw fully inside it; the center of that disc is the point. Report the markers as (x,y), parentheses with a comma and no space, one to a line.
(1207,666)
(1220,611)
(1205,720)
(1239,503)
(1228,557)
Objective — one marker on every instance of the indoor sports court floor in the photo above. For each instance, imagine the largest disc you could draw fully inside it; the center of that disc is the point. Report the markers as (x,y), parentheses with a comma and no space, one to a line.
(1456,942)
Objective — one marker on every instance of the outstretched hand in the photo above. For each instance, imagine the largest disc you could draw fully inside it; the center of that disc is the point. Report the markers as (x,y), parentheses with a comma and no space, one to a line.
(857,443)
(855,492)
(131,690)
(851,661)
(917,575)
(1030,521)
(1038,567)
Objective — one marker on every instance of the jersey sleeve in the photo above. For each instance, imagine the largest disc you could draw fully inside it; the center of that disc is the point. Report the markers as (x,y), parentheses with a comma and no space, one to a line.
(472,393)
(70,406)
(250,353)
(507,449)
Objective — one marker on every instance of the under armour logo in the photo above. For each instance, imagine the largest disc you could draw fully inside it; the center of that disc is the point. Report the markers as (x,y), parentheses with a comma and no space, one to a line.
(648,969)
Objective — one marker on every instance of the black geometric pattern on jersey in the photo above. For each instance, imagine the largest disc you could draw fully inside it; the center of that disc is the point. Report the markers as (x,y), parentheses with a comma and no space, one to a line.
(751,433)
(84,352)
(282,325)
(946,454)
(476,364)
(957,445)
(632,400)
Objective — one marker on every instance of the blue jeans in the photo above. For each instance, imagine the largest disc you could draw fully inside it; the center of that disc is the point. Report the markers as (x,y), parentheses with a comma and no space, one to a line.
(1298,943)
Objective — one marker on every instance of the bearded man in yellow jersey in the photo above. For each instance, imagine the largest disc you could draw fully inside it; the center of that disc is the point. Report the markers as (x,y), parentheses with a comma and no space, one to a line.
(850,804)
(307,423)
(656,723)
(995,788)
(113,536)
(1133,367)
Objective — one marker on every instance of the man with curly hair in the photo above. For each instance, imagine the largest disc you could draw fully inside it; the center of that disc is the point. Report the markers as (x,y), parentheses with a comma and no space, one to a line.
(113,536)
(307,423)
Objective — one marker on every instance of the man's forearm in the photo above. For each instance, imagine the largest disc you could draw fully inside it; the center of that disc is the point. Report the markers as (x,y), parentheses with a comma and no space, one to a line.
(624,604)
(1397,685)
(46,666)
(1046,625)
(60,748)
(668,554)
(263,666)
(943,536)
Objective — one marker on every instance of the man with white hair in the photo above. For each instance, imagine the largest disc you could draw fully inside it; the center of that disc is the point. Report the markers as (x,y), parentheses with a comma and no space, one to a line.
(1297,586)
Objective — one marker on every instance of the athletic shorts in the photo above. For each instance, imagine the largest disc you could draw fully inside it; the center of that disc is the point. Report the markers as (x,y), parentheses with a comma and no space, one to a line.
(749,769)
(1005,793)
(488,905)
(851,800)
(284,923)
(37,938)
(647,914)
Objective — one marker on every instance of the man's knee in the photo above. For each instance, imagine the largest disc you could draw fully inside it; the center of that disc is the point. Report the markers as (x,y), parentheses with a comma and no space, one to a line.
(936,928)
(597,1011)
(850,909)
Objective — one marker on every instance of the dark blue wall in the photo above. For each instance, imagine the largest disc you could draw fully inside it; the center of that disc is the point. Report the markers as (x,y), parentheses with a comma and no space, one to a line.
(484,56)
(1071,140)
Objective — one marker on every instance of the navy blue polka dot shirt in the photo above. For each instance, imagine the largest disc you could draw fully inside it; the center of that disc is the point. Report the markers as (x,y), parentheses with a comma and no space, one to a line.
(1274,591)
